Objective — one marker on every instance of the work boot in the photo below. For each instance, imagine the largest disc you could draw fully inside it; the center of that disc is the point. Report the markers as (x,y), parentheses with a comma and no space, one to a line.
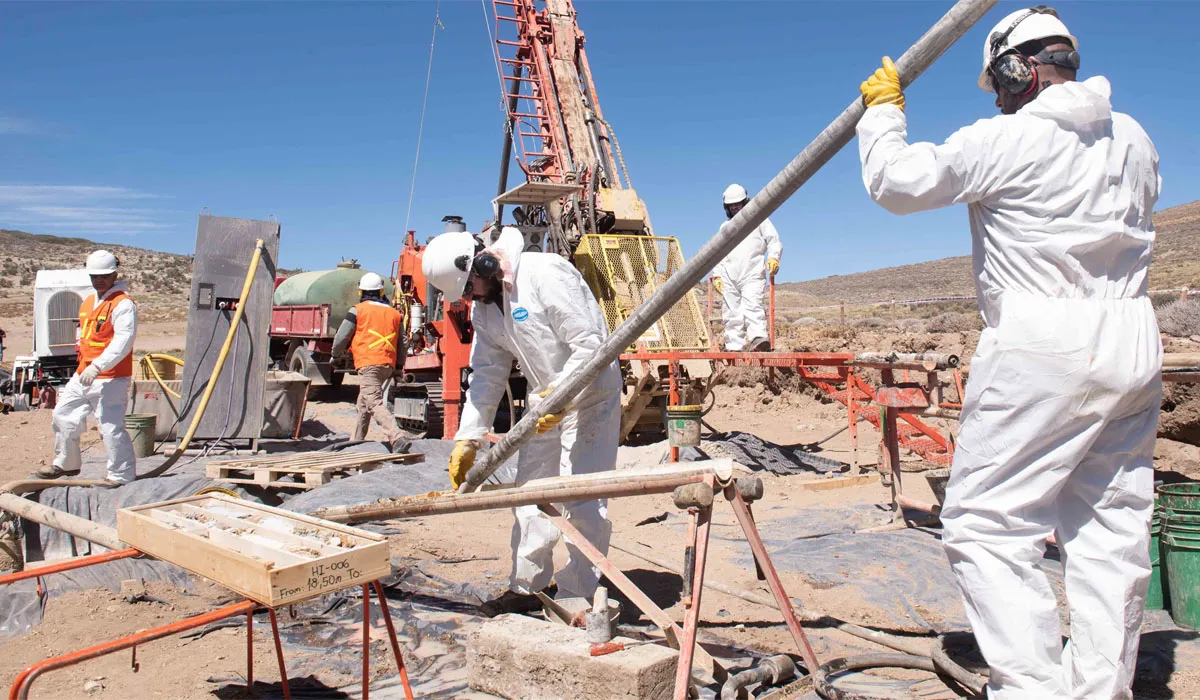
(401,446)
(54,472)
(760,345)
(512,602)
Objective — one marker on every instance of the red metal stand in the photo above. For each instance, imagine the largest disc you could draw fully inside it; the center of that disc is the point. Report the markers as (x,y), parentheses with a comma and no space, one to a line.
(20,687)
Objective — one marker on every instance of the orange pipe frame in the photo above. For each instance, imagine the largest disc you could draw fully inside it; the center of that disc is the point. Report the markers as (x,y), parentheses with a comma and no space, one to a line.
(68,565)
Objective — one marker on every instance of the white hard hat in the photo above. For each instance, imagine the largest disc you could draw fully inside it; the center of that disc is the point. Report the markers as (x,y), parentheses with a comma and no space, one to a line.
(102,262)
(734,194)
(446,262)
(370,282)
(1016,29)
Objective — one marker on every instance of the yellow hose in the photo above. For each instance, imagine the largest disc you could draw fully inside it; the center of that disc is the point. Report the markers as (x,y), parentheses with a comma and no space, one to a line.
(216,373)
(147,365)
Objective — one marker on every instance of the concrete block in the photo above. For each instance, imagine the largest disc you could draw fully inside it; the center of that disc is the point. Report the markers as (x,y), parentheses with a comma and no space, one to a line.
(520,657)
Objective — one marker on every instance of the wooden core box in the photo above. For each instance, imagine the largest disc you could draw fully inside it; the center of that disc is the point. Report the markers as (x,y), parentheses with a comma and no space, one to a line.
(272,556)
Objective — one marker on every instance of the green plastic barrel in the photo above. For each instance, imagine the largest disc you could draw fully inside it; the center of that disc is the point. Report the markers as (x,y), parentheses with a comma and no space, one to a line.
(141,430)
(1182,555)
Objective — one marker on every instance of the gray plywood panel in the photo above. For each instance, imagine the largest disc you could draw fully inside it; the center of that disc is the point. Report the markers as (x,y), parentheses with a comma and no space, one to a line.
(224,248)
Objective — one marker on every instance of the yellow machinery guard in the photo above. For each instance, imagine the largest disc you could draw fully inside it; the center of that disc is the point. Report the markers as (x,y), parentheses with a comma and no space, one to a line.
(624,270)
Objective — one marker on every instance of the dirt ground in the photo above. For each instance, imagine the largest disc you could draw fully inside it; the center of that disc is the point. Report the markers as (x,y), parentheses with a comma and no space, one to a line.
(478,545)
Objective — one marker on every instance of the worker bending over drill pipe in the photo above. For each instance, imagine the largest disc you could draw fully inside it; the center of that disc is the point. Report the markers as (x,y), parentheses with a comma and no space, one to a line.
(371,330)
(100,385)
(535,308)
(1060,413)
(740,279)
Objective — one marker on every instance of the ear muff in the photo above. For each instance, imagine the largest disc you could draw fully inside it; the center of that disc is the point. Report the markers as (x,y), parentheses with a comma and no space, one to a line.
(1014,74)
(486,265)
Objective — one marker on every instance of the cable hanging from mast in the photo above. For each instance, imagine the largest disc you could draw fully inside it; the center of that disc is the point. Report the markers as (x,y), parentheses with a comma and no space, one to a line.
(437,24)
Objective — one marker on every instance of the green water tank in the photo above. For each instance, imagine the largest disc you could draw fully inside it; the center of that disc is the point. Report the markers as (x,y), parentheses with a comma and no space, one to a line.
(338,288)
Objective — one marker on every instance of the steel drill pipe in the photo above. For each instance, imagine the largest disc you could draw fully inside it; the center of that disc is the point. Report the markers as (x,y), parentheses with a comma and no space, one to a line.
(915,60)
(916,359)
(74,525)
(557,489)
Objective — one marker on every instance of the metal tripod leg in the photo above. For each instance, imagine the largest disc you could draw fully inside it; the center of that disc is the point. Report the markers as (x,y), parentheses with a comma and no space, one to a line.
(701,519)
(764,560)
(283,679)
(656,614)
(387,620)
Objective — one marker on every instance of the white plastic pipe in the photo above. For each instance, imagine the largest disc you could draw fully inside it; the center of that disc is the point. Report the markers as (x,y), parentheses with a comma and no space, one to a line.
(913,63)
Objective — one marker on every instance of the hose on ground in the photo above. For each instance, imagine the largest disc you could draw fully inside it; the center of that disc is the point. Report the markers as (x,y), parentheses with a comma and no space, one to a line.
(827,690)
(947,666)
(216,371)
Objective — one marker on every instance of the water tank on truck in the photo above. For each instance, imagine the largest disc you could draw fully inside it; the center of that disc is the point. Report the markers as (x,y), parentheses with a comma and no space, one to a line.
(308,308)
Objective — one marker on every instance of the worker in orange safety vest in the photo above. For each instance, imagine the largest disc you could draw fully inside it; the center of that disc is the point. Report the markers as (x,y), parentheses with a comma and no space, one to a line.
(100,386)
(372,333)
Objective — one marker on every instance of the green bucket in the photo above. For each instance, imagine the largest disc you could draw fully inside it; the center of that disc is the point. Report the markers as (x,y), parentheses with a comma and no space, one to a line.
(1156,595)
(141,430)
(683,425)
(1182,555)
(1182,523)
(1180,498)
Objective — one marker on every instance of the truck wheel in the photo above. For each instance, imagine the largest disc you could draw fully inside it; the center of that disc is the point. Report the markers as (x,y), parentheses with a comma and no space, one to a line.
(299,363)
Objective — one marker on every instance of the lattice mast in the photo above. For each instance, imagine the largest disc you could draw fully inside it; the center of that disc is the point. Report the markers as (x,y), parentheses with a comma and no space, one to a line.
(576,182)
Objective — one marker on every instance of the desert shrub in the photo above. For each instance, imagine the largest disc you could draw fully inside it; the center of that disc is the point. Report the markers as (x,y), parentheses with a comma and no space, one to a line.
(869,322)
(1161,300)
(953,322)
(806,321)
(911,325)
(1180,319)
(5,283)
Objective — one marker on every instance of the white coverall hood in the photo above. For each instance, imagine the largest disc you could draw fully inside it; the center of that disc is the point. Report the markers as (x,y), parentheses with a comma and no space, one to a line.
(744,276)
(550,323)
(1061,406)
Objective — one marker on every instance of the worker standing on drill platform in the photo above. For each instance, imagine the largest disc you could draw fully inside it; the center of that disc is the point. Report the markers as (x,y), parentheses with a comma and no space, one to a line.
(740,279)
(1060,414)
(100,385)
(371,331)
(536,308)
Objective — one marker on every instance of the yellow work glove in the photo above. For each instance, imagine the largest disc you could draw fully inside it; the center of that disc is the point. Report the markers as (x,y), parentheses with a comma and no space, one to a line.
(772,266)
(883,88)
(461,460)
(550,420)
(718,285)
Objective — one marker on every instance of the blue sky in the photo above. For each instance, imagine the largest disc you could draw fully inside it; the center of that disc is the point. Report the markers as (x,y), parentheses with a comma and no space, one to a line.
(120,121)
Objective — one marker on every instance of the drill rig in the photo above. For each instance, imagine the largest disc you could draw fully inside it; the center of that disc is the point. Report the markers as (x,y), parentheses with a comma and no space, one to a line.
(576,200)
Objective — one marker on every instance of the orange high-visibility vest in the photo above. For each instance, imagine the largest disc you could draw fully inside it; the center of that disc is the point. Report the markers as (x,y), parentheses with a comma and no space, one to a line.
(376,335)
(96,332)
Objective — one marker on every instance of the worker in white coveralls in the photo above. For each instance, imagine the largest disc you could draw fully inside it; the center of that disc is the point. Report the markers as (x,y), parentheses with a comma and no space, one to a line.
(537,309)
(371,332)
(100,386)
(1060,414)
(741,281)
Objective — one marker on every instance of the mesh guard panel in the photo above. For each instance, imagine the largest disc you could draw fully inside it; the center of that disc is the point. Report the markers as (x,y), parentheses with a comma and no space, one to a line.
(624,271)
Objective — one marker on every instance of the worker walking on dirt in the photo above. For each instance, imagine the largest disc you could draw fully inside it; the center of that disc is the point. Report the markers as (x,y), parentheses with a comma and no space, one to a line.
(537,309)
(371,331)
(100,385)
(740,279)
(1060,414)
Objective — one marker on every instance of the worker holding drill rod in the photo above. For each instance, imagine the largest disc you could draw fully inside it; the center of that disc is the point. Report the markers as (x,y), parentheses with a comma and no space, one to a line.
(537,309)
(740,279)
(371,332)
(100,385)
(1060,413)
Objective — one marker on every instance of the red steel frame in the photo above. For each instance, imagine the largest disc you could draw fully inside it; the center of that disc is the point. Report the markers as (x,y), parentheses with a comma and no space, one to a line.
(24,681)
(856,393)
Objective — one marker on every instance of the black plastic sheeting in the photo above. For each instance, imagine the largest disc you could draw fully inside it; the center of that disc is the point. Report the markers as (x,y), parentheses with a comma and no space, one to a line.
(757,454)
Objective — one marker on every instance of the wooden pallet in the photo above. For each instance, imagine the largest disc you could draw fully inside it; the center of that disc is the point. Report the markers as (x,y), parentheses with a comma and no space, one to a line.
(267,554)
(301,471)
